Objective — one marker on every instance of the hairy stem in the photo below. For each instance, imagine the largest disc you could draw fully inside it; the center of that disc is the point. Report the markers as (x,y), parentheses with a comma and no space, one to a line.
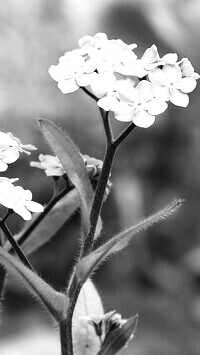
(2,280)
(66,348)
(124,134)
(90,94)
(99,196)
(15,245)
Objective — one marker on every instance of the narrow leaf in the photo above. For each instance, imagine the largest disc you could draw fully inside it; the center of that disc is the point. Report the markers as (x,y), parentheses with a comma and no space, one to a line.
(88,264)
(115,340)
(73,163)
(55,302)
(50,225)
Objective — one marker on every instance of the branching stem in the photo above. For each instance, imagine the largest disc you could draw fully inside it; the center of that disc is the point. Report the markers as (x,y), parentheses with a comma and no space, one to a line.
(15,245)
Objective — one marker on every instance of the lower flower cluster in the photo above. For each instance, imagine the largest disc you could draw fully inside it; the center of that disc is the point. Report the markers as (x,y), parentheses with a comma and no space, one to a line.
(13,197)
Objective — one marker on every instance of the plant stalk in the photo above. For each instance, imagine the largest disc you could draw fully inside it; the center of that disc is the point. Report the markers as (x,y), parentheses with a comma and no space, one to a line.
(15,245)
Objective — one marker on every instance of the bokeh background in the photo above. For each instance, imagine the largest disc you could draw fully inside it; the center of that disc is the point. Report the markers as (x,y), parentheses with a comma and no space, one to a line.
(158,276)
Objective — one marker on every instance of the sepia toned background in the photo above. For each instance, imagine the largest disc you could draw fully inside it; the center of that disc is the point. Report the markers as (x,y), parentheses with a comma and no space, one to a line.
(158,276)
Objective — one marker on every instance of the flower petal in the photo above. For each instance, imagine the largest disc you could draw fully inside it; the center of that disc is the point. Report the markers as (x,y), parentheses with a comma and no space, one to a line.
(151,54)
(145,91)
(186,85)
(126,91)
(23,212)
(9,155)
(143,119)
(170,58)
(84,79)
(161,92)
(3,166)
(179,98)
(67,86)
(123,112)
(34,206)
(108,103)
(157,76)
(172,73)
(155,106)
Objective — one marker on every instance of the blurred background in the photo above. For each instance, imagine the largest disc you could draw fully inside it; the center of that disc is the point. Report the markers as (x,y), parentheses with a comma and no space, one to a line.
(158,276)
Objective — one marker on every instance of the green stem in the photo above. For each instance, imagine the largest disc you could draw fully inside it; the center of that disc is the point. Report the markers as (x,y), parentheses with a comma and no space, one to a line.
(124,134)
(15,245)
(107,126)
(99,196)
(66,348)
(74,291)
(2,280)
(89,93)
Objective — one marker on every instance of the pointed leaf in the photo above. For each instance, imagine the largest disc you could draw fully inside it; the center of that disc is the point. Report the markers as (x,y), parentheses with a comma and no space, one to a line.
(73,163)
(117,339)
(85,340)
(55,302)
(50,224)
(89,263)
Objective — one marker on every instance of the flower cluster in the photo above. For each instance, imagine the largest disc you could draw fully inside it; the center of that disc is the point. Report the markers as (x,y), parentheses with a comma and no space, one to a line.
(53,167)
(11,196)
(135,89)
(10,149)
(17,199)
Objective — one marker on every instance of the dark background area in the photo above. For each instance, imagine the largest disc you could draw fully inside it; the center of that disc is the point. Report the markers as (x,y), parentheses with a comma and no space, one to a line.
(158,275)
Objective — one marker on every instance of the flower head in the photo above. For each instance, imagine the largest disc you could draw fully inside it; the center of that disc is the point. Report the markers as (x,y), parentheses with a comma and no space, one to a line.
(170,84)
(50,164)
(73,70)
(18,199)
(10,149)
(138,104)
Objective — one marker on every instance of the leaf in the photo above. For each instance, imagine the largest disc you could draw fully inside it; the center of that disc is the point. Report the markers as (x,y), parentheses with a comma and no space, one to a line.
(89,263)
(55,302)
(117,339)
(85,340)
(50,225)
(73,163)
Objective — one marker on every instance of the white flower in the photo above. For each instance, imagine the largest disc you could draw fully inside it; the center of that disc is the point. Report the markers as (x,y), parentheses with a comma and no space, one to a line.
(169,84)
(10,148)
(138,104)
(104,87)
(18,199)
(109,55)
(187,69)
(73,70)
(151,60)
(50,164)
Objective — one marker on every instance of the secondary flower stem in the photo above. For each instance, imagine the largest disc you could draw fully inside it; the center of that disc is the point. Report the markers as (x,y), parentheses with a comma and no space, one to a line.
(124,134)
(107,126)
(89,93)
(99,196)
(42,215)
(15,245)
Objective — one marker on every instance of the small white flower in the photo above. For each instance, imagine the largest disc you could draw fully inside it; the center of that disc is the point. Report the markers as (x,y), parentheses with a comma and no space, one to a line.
(50,164)
(169,84)
(187,69)
(18,199)
(109,55)
(138,104)
(10,148)
(72,71)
